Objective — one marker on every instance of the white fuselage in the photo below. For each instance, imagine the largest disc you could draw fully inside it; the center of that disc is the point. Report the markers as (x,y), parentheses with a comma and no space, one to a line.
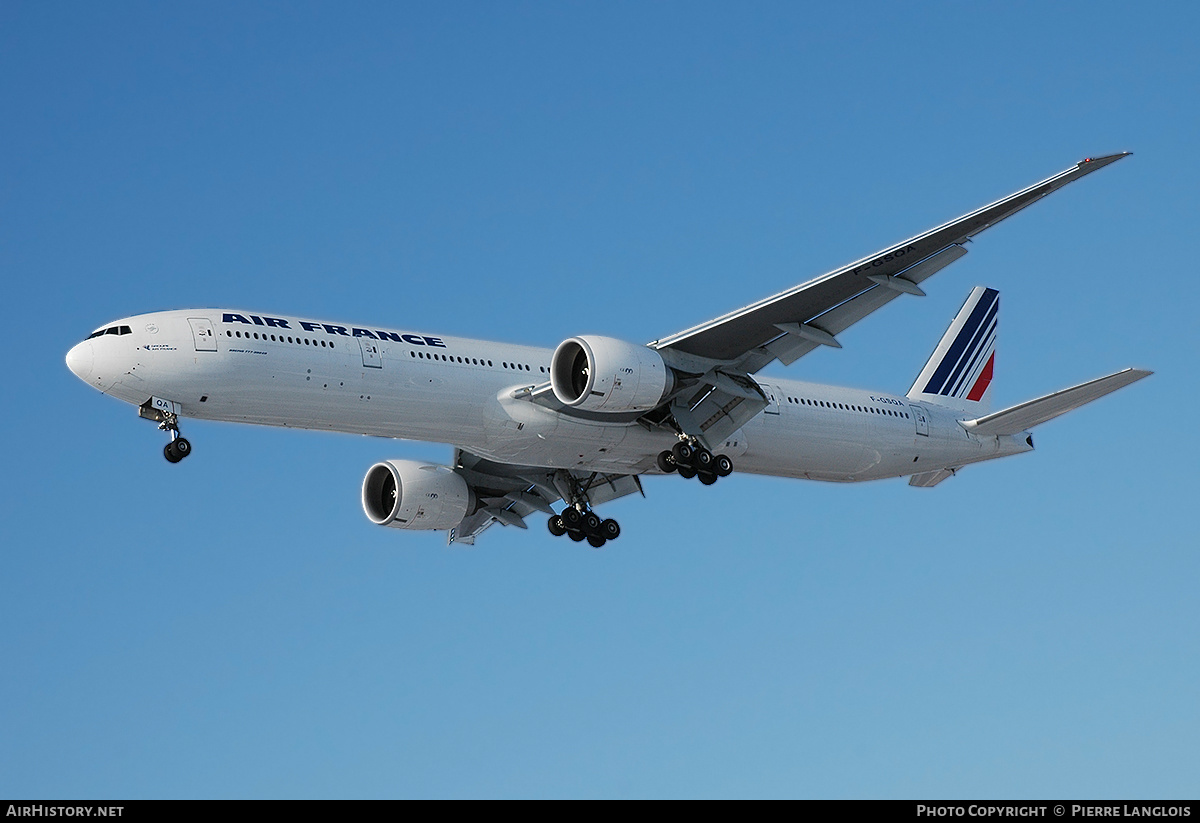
(237,366)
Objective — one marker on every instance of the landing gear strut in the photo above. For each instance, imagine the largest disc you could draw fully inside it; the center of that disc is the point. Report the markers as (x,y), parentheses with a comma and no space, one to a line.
(577,521)
(691,459)
(179,447)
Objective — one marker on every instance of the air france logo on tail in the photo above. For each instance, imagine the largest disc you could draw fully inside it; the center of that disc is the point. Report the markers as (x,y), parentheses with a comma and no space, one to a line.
(960,368)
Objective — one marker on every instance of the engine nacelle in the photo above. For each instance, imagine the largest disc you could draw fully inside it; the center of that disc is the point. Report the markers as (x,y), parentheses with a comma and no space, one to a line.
(404,494)
(606,375)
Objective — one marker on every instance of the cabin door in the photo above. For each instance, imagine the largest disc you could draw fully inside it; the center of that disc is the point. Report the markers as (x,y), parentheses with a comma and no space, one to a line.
(202,333)
(919,418)
(773,395)
(370,353)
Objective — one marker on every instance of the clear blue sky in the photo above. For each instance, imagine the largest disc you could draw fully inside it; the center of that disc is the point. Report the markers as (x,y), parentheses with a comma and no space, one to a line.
(234,627)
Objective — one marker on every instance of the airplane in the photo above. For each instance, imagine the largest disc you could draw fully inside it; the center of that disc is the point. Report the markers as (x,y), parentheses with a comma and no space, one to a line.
(583,422)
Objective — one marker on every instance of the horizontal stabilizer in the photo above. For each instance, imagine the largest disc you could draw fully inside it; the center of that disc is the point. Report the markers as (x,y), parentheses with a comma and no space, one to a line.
(1027,415)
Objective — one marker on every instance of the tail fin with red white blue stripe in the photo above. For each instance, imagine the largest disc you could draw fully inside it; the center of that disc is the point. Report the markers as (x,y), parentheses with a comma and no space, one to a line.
(959,372)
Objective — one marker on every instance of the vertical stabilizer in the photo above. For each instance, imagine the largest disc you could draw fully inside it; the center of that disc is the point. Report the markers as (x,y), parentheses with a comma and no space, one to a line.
(959,372)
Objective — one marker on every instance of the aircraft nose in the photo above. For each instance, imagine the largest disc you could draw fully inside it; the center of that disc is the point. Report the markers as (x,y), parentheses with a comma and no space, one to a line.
(80,360)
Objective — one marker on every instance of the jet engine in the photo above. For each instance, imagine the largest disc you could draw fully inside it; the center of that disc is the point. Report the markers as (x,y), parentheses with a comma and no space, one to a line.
(404,494)
(606,375)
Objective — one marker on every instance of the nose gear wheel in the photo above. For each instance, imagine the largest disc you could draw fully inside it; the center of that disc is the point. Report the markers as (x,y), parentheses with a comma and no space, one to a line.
(179,447)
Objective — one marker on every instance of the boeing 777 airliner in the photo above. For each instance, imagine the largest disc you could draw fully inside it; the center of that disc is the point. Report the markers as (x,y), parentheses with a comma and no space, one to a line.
(582,422)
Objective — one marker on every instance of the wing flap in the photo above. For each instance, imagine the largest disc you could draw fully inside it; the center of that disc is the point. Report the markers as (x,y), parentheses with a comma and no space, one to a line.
(720,407)
(1026,415)
(509,493)
(884,290)
(927,480)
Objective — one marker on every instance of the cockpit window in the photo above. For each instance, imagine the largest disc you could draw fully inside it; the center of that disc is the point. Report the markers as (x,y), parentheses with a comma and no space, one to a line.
(110,330)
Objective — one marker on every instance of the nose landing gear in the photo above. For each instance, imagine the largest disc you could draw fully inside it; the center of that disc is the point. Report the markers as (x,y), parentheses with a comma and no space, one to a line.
(179,447)
(166,414)
(691,459)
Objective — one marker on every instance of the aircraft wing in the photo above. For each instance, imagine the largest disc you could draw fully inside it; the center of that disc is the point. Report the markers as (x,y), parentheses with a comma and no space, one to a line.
(794,322)
(508,493)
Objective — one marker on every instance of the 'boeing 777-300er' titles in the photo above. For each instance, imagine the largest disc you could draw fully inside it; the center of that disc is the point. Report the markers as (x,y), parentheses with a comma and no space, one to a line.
(581,423)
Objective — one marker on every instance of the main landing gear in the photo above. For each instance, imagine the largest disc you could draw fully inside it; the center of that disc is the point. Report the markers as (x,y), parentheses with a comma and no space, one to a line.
(179,447)
(580,523)
(691,459)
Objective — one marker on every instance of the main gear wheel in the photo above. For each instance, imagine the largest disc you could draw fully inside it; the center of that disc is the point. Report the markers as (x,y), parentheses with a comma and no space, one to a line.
(691,459)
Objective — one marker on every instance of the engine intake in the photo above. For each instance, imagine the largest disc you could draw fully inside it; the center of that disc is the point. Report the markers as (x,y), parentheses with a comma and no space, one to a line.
(404,494)
(607,375)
